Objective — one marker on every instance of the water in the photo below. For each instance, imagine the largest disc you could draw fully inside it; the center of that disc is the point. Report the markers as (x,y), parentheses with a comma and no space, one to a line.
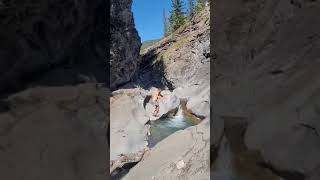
(162,128)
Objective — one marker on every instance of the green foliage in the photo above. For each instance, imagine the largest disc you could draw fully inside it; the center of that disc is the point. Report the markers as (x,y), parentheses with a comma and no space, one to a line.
(200,5)
(177,17)
(149,43)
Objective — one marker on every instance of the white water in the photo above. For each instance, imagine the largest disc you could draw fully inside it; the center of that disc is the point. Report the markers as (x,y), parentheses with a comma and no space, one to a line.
(162,128)
(179,113)
(178,121)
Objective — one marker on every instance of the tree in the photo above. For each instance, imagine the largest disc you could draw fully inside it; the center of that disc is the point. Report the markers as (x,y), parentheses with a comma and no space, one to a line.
(200,5)
(165,24)
(191,9)
(177,17)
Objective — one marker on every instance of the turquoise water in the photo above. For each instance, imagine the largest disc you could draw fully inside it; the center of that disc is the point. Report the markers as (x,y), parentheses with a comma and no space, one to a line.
(162,128)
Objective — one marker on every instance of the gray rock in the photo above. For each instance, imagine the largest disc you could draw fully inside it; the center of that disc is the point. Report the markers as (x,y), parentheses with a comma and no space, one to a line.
(125,46)
(163,160)
(261,74)
(58,137)
(49,35)
(200,104)
(284,141)
(183,59)
(169,102)
(127,125)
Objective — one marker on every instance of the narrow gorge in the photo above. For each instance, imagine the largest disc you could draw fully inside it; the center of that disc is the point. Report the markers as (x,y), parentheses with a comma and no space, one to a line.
(265,85)
(53,94)
(181,78)
(159,119)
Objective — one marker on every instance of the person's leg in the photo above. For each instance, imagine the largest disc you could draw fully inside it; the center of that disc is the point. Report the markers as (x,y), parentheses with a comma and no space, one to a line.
(156,110)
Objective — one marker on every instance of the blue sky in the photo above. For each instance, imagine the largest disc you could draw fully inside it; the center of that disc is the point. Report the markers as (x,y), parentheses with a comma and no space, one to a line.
(148,17)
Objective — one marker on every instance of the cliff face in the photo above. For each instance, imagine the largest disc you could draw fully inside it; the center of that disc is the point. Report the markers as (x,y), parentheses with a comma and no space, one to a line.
(53,132)
(125,43)
(266,56)
(184,57)
(39,36)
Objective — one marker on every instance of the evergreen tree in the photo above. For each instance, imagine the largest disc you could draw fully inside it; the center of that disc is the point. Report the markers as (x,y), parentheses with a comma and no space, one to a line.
(165,22)
(200,5)
(177,17)
(191,9)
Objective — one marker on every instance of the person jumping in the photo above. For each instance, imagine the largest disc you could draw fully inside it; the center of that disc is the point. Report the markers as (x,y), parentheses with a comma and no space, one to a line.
(155,97)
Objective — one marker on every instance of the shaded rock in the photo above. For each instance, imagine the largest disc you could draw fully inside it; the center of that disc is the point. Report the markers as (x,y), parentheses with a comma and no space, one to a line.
(39,36)
(218,132)
(263,74)
(125,46)
(54,133)
(285,141)
(223,165)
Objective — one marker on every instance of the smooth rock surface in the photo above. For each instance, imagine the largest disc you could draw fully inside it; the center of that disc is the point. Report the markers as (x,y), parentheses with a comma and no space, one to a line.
(127,126)
(200,104)
(267,72)
(163,160)
(54,133)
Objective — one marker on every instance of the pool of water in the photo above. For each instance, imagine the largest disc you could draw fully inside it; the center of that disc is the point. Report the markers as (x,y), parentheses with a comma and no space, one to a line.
(164,127)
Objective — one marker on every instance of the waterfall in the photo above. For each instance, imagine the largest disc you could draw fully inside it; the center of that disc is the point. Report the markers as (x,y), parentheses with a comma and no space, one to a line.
(179,113)
(178,120)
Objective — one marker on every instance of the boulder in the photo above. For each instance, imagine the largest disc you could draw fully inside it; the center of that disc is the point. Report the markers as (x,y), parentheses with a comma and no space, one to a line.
(177,158)
(127,125)
(169,102)
(200,106)
(54,133)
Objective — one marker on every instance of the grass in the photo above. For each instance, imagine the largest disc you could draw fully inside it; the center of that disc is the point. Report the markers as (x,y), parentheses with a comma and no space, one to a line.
(146,44)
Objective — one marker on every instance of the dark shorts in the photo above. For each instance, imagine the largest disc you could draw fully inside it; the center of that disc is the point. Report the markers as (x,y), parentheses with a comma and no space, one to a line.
(155,103)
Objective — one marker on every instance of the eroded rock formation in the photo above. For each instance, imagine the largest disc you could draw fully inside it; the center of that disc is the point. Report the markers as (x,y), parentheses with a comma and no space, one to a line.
(125,44)
(267,74)
(39,36)
(52,107)
(54,133)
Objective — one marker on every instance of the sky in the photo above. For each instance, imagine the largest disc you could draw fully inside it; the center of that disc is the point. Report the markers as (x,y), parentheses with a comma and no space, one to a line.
(148,17)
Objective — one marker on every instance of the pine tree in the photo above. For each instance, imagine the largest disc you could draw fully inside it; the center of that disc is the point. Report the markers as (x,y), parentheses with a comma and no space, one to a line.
(165,23)
(177,17)
(191,9)
(200,5)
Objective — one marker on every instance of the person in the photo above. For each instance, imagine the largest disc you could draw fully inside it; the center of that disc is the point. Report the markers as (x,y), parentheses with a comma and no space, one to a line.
(155,97)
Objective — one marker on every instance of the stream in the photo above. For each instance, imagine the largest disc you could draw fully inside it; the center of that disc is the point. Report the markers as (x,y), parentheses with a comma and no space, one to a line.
(163,127)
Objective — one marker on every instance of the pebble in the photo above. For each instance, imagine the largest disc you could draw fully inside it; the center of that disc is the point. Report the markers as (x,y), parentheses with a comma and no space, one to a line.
(180,164)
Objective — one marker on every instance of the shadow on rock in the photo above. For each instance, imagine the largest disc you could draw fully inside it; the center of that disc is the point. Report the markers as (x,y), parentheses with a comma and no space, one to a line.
(150,74)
